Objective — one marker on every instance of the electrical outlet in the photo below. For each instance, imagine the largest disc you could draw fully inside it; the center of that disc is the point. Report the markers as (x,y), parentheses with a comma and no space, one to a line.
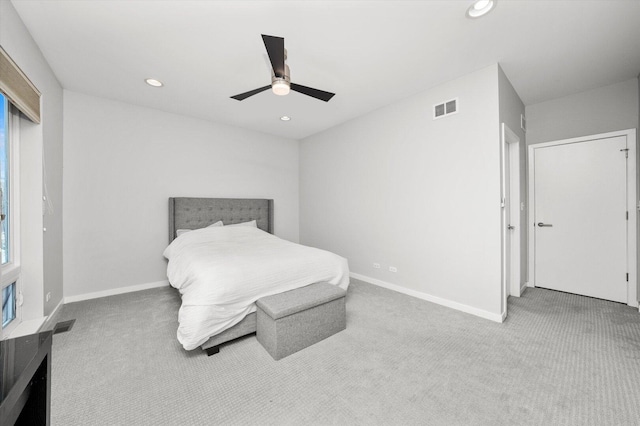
(393,269)
(48,296)
(376,265)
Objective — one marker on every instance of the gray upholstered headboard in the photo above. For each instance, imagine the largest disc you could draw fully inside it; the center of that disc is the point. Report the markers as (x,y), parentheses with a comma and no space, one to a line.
(196,213)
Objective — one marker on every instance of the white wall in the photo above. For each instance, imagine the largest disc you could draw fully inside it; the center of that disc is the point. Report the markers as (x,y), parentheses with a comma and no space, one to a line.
(601,110)
(41,252)
(122,163)
(399,188)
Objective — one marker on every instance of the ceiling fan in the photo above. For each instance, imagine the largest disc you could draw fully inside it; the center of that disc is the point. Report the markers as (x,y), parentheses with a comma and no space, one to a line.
(280,75)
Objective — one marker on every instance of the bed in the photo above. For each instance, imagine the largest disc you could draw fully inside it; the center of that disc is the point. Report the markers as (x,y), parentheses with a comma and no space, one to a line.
(199,214)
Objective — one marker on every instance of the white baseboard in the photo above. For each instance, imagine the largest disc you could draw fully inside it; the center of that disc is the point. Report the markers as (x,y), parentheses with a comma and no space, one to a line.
(523,288)
(113,292)
(47,323)
(434,299)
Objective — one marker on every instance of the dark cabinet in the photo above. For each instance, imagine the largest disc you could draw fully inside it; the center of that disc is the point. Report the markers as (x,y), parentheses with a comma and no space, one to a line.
(25,380)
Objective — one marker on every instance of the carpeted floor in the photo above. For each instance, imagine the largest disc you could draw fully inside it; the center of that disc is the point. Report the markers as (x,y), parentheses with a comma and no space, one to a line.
(559,359)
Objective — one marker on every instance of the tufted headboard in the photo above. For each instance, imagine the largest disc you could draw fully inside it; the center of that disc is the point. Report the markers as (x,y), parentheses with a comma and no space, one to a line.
(195,213)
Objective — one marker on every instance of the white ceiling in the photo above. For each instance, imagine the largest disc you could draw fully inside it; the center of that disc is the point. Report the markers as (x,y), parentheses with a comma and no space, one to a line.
(370,53)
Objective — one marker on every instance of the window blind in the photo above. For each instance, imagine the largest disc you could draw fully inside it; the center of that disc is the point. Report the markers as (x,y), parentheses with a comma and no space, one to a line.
(18,88)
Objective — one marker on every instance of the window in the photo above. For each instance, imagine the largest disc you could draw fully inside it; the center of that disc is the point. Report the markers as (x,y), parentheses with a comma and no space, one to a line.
(10,273)
(8,304)
(4,176)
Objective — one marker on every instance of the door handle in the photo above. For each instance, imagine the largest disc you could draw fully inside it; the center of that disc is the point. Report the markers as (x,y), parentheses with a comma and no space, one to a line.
(510,227)
(542,225)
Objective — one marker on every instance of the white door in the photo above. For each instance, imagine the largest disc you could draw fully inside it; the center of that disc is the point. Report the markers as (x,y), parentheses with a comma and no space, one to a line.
(514,214)
(580,218)
(508,241)
(510,193)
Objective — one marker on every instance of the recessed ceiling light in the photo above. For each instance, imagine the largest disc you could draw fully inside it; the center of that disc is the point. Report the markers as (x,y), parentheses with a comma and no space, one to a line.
(480,8)
(285,118)
(153,82)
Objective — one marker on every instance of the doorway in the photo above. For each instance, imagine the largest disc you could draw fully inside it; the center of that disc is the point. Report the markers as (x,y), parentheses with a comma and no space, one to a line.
(510,192)
(582,218)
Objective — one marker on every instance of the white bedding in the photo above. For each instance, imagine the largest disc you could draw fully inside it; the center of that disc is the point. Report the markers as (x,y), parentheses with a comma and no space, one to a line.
(222,271)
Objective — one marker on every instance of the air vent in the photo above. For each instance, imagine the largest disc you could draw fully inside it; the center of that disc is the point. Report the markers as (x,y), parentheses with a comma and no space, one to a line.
(445,108)
(63,326)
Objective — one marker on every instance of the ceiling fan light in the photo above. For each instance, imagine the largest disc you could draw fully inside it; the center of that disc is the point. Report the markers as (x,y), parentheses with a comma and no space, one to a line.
(280,87)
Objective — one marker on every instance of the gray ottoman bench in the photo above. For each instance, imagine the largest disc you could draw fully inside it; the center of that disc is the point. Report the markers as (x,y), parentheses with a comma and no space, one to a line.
(293,320)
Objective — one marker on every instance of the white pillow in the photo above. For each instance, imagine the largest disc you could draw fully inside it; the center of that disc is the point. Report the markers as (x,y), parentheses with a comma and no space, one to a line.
(184,231)
(250,223)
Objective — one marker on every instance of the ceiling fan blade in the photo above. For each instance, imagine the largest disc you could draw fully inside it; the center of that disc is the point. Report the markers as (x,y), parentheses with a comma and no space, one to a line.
(245,95)
(275,50)
(314,93)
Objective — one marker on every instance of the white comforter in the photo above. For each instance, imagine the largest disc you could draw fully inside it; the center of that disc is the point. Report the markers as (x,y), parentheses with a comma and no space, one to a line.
(222,271)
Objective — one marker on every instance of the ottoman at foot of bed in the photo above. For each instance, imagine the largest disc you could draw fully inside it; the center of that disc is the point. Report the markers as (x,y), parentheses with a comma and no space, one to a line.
(296,319)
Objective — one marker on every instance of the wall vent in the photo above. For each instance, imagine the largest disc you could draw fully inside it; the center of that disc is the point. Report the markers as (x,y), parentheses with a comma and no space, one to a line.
(63,326)
(445,108)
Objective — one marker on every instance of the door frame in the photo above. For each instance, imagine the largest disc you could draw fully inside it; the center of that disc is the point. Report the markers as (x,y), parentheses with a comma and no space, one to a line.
(513,142)
(632,205)
(510,191)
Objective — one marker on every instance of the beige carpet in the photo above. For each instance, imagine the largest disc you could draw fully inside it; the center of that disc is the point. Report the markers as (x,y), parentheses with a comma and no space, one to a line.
(559,359)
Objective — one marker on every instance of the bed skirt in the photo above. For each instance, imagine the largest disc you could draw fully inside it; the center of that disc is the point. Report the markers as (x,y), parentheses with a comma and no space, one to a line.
(244,327)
